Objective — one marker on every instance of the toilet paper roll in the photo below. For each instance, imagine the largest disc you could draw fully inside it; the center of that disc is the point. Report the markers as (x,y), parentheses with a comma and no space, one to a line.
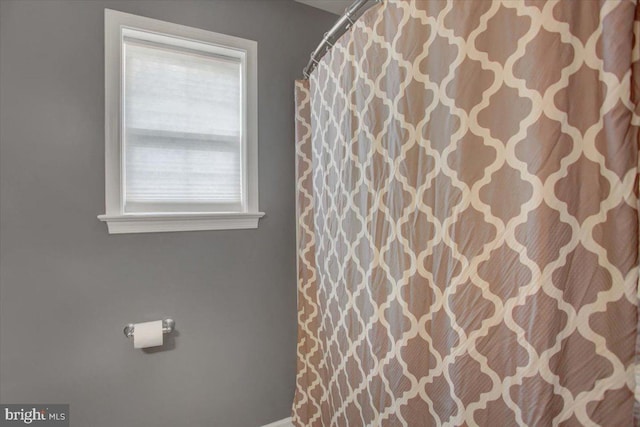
(147,334)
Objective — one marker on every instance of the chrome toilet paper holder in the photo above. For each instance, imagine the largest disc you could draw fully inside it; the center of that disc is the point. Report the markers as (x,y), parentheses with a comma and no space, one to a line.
(168,326)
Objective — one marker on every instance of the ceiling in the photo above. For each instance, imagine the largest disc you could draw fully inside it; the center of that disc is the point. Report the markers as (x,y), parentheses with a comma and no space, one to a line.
(334,6)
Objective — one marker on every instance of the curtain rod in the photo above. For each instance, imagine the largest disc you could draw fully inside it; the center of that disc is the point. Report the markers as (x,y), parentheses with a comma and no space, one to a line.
(351,14)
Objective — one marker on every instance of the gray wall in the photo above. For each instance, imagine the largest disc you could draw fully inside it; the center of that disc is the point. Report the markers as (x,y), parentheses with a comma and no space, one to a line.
(67,288)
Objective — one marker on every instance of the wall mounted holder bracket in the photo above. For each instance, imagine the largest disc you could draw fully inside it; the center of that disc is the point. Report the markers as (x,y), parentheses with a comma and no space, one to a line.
(168,326)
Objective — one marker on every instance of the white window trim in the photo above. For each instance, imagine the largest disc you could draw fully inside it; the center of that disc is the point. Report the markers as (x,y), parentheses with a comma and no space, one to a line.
(117,220)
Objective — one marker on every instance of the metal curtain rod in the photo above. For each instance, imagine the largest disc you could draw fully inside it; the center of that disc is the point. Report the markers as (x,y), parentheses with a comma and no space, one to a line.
(351,14)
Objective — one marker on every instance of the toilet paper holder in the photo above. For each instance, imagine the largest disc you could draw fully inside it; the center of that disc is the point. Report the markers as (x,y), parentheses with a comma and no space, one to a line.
(168,325)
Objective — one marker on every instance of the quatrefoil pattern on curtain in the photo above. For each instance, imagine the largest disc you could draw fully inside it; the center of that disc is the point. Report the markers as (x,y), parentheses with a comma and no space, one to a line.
(468,217)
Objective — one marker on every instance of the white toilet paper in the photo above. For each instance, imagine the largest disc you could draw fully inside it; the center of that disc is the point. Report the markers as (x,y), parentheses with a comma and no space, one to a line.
(147,334)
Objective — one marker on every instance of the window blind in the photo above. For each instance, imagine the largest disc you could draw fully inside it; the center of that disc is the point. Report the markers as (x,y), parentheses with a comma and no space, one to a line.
(182,125)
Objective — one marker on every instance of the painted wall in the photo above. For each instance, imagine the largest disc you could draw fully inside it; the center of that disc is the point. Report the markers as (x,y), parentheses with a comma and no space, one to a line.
(67,288)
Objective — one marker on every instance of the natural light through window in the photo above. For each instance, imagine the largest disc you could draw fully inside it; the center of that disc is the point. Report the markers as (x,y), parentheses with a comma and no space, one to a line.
(182,130)
(185,101)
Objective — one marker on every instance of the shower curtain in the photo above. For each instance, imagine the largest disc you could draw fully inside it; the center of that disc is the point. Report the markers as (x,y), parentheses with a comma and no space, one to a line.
(467,204)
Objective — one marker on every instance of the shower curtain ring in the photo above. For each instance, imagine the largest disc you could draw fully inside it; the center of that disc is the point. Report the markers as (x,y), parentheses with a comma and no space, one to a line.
(326,39)
(347,15)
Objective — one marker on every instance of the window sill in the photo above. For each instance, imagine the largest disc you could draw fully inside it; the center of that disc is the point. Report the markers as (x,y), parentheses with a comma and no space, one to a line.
(158,223)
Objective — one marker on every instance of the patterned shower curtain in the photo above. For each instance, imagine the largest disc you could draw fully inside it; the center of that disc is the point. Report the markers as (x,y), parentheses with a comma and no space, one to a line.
(468,217)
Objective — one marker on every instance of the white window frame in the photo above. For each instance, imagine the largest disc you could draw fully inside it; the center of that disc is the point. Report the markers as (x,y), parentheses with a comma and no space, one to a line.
(118,221)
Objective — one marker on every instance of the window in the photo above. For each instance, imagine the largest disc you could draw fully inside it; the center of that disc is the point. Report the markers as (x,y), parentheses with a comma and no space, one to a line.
(180,131)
